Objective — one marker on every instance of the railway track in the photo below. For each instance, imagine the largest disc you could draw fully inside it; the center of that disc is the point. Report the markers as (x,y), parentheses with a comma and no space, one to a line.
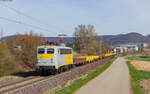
(18,84)
(38,84)
(5,84)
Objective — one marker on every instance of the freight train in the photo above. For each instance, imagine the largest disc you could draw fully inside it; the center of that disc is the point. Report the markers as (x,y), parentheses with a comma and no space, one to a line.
(53,59)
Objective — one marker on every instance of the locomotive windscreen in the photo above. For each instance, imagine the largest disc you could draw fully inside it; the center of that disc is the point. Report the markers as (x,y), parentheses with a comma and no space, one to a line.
(41,51)
(50,51)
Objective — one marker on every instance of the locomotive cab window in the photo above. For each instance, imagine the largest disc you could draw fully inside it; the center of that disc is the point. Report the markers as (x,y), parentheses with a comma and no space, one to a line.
(41,51)
(65,51)
(50,51)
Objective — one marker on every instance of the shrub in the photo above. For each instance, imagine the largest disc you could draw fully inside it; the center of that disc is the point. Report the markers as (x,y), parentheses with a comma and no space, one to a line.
(7,61)
(26,53)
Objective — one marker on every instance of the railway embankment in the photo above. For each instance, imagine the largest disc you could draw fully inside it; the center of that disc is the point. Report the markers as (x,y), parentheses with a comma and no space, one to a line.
(38,85)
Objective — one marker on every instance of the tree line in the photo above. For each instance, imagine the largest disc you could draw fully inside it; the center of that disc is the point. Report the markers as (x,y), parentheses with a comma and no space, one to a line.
(19,53)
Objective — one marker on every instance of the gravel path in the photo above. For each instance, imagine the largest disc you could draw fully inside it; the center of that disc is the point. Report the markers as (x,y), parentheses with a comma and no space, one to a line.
(115,80)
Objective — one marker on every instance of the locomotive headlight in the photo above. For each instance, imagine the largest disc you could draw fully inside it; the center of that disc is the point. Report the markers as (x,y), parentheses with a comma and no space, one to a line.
(39,60)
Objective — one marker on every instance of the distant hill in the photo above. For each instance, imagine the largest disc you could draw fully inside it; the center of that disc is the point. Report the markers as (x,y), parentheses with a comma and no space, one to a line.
(126,38)
(111,39)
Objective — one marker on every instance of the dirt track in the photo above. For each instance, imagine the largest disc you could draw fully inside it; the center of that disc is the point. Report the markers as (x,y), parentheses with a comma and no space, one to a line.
(115,80)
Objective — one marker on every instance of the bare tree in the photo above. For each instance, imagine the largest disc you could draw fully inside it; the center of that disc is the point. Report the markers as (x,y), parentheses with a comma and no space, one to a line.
(85,40)
(24,47)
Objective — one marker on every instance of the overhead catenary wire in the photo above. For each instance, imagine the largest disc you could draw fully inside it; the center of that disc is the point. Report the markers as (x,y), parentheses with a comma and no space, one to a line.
(27,16)
(25,24)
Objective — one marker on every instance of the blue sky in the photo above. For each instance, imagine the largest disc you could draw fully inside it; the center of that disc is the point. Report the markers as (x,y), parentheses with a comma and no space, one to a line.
(62,16)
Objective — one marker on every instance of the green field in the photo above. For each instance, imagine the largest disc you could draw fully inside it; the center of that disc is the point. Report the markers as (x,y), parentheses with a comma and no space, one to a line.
(136,76)
(79,82)
(140,58)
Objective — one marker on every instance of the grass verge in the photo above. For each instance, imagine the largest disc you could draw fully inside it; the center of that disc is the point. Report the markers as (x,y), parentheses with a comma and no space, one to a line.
(136,77)
(140,58)
(76,84)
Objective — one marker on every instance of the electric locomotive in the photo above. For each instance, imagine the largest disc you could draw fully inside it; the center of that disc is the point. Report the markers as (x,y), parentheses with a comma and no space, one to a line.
(52,59)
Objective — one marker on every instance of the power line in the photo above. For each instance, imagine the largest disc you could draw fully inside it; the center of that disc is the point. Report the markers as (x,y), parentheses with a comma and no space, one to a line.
(25,24)
(27,16)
